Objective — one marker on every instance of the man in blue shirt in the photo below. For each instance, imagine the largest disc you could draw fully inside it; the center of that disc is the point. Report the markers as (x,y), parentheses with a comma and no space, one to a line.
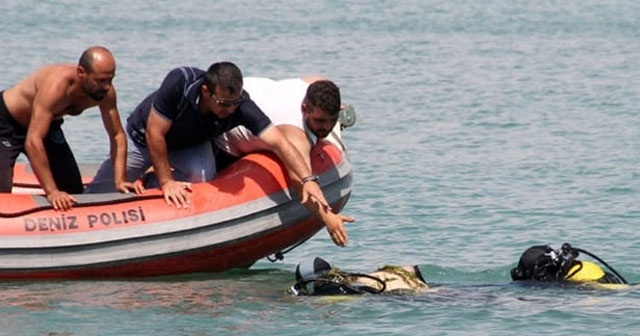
(171,129)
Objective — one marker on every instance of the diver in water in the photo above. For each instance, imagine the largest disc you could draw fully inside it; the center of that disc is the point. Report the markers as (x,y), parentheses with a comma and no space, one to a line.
(542,263)
(320,278)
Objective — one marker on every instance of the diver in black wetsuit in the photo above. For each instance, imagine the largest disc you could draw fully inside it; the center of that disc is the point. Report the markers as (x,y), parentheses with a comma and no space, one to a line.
(542,263)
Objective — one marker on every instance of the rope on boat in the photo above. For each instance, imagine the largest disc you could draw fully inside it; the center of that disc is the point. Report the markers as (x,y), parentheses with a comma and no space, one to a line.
(280,254)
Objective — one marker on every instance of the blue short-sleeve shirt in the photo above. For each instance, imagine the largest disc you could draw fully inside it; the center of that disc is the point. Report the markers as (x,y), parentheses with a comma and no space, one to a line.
(178,100)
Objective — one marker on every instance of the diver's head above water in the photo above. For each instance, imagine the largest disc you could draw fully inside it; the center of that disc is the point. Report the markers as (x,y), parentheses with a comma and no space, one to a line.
(543,263)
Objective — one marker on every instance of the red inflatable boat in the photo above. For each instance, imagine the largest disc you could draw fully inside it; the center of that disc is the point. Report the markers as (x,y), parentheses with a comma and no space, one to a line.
(247,213)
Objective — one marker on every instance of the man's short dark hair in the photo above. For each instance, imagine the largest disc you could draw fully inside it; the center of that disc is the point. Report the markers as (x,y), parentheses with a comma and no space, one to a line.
(226,75)
(325,95)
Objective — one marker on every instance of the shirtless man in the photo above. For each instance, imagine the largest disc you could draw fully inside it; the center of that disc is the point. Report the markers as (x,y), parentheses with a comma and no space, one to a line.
(32,112)
(304,110)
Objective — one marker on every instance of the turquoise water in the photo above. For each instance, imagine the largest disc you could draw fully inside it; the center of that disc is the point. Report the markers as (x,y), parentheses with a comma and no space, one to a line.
(483,128)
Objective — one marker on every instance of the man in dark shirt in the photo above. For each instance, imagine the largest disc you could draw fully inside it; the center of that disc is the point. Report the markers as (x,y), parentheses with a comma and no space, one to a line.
(171,129)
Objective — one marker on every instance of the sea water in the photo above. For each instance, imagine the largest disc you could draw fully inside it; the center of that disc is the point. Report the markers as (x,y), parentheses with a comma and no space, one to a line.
(484,127)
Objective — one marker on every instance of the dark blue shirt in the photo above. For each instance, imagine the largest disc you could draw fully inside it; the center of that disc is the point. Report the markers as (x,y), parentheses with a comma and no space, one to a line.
(178,101)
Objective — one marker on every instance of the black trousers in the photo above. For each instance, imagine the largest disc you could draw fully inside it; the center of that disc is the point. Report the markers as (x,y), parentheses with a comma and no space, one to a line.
(61,160)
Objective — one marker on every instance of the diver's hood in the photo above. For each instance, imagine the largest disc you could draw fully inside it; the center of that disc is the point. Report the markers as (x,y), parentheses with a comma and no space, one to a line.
(312,269)
(537,263)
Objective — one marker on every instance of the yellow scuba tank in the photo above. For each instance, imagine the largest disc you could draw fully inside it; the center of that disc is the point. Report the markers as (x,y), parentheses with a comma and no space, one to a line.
(584,271)
(590,273)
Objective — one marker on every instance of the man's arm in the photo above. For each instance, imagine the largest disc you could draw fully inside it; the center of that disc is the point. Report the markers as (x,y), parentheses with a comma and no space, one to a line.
(45,103)
(117,143)
(175,192)
(294,162)
(332,221)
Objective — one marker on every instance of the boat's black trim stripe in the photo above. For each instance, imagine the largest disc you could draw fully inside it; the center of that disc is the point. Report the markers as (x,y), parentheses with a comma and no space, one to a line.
(87,169)
(83,201)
